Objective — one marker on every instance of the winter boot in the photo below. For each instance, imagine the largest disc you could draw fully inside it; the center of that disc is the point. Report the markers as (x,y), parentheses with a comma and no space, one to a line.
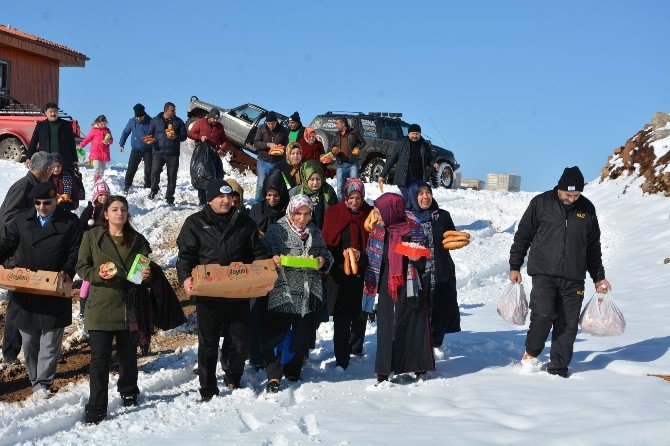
(94,417)
(129,399)
(273,386)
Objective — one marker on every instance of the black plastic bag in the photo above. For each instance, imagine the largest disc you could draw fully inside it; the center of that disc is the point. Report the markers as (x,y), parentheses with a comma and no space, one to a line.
(203,166)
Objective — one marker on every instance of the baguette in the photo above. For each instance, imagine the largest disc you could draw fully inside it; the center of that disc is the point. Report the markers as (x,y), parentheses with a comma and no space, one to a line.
(352,260)
(347,262)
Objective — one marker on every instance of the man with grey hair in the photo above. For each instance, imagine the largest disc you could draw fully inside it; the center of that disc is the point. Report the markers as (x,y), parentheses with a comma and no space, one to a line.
(16,201)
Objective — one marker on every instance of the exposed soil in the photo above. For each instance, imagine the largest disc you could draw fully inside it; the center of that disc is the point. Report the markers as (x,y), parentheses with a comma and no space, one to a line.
(73,366)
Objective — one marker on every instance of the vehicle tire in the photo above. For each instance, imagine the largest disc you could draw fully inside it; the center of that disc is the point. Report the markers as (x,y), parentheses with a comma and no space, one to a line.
(444,177)
(11,149)
(372,169)
(325,140)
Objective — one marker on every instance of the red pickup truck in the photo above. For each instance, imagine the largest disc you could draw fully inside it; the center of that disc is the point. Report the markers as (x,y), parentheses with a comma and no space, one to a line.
(17,123)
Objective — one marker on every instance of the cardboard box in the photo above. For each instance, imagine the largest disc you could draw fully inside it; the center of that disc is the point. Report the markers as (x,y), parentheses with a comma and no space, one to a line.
(236,281)
(45,283)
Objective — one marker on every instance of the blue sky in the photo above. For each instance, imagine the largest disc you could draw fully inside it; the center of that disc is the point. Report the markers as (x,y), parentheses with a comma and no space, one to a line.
(524,87)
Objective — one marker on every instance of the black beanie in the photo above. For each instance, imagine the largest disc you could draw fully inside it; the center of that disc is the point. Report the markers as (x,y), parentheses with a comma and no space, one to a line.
(295,117)
(572,180)
(217,187)
(139,110)
(271,117)
(414,128)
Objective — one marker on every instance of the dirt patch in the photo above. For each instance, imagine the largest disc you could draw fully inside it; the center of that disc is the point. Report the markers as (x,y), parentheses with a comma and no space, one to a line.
(76,352)
(641,157)
(664,377)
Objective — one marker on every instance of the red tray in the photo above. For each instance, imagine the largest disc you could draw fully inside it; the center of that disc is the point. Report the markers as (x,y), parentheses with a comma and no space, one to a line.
(414,253)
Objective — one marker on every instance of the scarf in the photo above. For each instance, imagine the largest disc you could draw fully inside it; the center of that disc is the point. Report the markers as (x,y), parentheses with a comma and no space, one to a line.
(272,214)
(421,215)
(307,169)
(295,168)
(294,204)
(375,252)
(429,242)
(339,217)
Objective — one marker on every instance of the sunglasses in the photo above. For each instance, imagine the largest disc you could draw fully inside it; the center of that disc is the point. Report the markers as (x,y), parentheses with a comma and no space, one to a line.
(43,202)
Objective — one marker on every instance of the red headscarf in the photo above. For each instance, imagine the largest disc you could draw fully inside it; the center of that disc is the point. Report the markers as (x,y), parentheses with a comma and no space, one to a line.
(392,210)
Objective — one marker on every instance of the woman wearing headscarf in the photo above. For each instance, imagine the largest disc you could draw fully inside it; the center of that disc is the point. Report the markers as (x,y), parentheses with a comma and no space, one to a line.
(439,275)
(290,166)
(296,298)
(312,148)
(403,331)
(265,213)
(343,229)
(315,187)
(273,206)
(238,195)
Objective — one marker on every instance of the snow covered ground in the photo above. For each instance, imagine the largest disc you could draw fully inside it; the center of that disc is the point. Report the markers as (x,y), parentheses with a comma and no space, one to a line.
(477,395)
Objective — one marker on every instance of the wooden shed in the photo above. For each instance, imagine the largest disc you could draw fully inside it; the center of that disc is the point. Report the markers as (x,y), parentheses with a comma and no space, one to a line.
(29,66)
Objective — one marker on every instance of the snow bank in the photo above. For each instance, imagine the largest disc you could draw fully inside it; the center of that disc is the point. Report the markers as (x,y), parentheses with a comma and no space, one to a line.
(477,395)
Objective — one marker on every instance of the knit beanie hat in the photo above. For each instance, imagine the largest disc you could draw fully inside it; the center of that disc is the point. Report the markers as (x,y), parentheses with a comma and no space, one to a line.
(414,128)
(271,117)
(99,188)
(217,187)
(295,117)
(139,110)
(571,180)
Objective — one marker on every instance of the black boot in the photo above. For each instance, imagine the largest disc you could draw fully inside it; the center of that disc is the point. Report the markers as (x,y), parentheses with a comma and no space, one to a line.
(129,399)
(94,417)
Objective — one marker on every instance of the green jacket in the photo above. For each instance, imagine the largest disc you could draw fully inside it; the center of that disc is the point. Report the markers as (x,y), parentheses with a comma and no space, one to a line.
(106,306)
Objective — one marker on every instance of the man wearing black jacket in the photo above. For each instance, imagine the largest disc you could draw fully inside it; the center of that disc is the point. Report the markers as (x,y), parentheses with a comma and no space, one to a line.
(268,137)
(54,135)
(219,234)
(561,228)
(412,158)
(17,200)
(47,238)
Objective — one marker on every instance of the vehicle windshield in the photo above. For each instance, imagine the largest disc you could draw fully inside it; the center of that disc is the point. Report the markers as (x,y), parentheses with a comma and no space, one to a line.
(246,113)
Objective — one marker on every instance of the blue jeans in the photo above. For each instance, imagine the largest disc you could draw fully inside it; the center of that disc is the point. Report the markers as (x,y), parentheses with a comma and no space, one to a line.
(263,169)
(344,171)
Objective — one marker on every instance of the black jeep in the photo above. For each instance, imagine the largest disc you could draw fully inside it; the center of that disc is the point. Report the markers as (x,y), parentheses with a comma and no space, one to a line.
(381,132)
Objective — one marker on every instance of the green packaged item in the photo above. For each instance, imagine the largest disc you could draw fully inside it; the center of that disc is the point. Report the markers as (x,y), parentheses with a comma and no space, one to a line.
(135,274)
(299,262)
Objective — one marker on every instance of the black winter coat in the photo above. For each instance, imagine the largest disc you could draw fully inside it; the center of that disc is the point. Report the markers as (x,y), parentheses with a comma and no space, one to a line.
(164,145)
(400,158)
(354,139)
(17,199)
(202,241)
(264,135)
(41,141)
(445,271)
(53,247)
(562,244)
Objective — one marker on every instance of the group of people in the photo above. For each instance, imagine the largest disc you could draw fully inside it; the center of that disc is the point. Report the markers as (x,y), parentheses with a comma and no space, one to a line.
(358,272)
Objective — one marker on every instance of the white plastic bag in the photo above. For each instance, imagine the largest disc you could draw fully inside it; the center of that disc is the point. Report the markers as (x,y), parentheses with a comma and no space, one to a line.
(513,306)
(601,317)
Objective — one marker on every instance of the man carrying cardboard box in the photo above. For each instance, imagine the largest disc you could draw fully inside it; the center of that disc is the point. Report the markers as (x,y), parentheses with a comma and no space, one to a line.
(219,234)
(46,238)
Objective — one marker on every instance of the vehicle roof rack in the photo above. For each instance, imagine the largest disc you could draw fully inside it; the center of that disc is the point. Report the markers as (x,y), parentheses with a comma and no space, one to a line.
(18,109)
(385,114)
(343,113)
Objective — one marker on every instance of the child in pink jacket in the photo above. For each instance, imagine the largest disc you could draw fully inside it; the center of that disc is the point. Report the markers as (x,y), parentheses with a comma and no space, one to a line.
(100,138)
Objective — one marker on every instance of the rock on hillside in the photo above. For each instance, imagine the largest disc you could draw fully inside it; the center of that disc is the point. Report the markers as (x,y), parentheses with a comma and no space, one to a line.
(646,155)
